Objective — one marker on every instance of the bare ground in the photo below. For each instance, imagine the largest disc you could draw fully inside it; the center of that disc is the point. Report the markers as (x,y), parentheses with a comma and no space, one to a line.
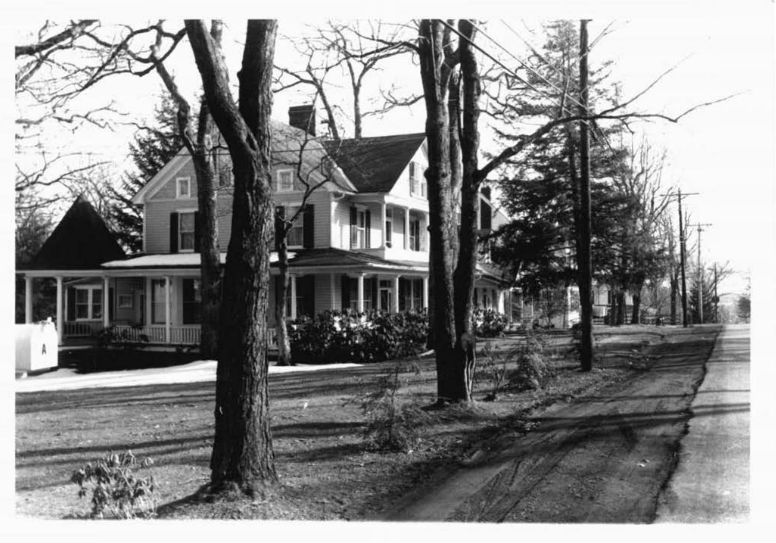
(590,447)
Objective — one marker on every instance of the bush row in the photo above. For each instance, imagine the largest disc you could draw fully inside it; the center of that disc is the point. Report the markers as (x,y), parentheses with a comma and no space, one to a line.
(372,336)
(350,336)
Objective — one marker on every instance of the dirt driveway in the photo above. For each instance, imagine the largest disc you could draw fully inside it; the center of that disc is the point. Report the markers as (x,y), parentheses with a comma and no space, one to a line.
(602,458)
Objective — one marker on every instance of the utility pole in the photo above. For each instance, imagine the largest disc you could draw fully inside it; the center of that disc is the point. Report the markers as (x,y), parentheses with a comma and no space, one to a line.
(716,297)
(682,263)
(700,272)
(584,260)
(682,251)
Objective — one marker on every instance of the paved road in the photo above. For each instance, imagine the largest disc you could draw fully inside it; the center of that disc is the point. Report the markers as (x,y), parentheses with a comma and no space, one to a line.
(711,482)
(602,458)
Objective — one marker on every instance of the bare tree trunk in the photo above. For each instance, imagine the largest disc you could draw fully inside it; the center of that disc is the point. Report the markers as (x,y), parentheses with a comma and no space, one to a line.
(636,313)
(243,456)
(674,294)
(281,327)
(434,49)
(210,265)
(470,181)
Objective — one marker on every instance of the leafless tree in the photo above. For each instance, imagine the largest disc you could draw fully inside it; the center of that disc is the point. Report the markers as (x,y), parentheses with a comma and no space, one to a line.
(353,51)
(243,456)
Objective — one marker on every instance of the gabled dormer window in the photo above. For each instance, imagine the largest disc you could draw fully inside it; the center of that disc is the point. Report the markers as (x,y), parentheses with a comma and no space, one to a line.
(183,187)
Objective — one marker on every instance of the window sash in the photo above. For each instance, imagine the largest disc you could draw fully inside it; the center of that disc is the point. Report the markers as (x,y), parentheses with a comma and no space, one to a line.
(158,301)
(186,232)
(183,187)
(285,181)
(192,299)
(296,232)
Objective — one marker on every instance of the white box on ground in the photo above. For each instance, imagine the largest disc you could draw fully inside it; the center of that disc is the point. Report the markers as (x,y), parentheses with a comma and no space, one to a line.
(36,346)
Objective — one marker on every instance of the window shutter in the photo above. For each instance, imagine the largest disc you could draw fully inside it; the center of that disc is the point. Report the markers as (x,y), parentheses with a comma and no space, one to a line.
(70,306)
(280,215)
(353,224)
(173,232)
(367,230)
(308,234)
(374,282)
(345,294)
(196,231)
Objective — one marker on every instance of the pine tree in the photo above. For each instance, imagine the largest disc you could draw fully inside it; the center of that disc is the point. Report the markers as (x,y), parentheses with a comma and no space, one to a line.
(152,148)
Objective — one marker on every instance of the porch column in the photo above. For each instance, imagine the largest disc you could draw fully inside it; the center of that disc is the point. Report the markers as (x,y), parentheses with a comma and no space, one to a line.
(425,292)
(60,319)
(148,304)
(360,301)
(167,309)
(500,301)
(333,291)
(385,235)
(395,307)
(28,300)
(293,297)
(105,302)
(406,228)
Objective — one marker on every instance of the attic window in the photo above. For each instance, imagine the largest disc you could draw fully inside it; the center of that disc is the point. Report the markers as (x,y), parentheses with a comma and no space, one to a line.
(285,181)
(183,187)
(417,182)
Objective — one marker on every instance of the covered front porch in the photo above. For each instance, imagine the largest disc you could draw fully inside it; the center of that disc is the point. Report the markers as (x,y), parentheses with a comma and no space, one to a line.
(153,308)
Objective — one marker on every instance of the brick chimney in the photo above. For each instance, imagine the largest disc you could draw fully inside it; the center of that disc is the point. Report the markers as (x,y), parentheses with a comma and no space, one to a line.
(302,117)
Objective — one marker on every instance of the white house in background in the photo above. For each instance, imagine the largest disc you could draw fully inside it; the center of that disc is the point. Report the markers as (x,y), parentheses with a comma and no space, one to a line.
(361,242)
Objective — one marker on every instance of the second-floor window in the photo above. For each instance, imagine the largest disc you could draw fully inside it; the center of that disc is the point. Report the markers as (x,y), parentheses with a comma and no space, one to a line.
(359,229)
(415,234)
(183,189)
(388,227)
(296,233)
(186,231)
(417,181)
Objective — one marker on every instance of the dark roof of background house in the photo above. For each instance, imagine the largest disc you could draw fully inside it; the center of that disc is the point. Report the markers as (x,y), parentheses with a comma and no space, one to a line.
(374,164)
(80,241)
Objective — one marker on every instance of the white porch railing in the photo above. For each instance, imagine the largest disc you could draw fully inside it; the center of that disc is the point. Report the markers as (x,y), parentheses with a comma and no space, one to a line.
(179,335)
(82,328)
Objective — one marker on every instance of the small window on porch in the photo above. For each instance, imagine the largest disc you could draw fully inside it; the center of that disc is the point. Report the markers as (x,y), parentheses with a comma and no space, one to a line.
(158,299)
(192,299)
(388,227)
(88,303)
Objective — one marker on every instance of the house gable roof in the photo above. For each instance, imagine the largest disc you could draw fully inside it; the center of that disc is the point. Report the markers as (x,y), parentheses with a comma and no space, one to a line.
(80,241)
(375,164)
(288,144)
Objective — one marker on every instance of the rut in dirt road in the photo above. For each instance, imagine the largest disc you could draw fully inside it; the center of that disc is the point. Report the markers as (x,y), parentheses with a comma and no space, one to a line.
(602,458)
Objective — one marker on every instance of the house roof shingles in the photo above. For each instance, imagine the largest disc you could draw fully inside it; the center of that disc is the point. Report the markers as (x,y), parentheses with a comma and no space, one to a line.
(374,164)
(80,241)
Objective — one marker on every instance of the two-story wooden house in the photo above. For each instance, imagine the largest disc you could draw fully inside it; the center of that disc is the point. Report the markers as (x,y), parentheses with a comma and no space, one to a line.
(361,241)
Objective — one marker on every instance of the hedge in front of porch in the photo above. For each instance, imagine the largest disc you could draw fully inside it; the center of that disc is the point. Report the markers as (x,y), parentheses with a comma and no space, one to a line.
(350,336)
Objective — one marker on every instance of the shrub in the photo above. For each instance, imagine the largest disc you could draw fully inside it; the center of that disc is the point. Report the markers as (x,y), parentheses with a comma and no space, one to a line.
(349,336)
(116,491)
(491,366)
(392,425)
(532,371)
(489,322)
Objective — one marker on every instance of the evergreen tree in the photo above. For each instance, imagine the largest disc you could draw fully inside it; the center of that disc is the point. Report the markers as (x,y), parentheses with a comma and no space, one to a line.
(539,191)
(152,148)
